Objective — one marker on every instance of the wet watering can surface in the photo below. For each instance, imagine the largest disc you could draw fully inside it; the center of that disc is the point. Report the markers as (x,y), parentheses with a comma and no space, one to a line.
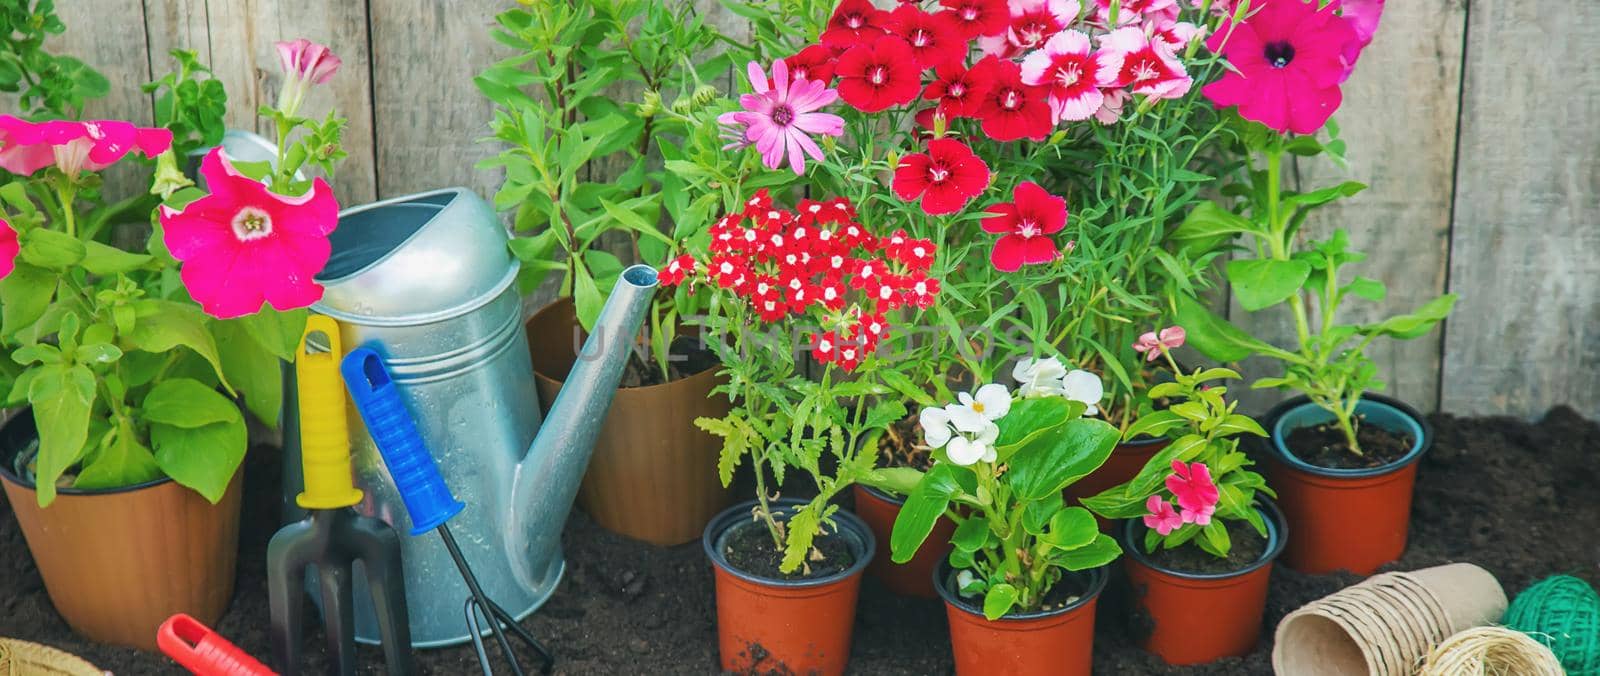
(428,282)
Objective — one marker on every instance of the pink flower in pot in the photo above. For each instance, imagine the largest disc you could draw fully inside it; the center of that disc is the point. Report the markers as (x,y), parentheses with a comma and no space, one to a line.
(8,248)
(1197,494)
(1162,518)
(243,244)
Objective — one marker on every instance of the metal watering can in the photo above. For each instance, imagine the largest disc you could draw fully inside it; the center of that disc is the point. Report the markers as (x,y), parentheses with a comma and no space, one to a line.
(428,282)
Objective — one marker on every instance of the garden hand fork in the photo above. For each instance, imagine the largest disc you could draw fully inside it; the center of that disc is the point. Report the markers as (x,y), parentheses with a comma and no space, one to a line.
(334,537)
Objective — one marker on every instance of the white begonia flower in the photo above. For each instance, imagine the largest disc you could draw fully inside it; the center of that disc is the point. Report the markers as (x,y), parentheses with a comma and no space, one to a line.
(1081,385)
(992,401)
(963,580)
(1039,377)
(935,426)
(970,447)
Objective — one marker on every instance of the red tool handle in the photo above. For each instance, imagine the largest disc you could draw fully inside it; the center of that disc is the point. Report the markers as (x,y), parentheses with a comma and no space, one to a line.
(205,652)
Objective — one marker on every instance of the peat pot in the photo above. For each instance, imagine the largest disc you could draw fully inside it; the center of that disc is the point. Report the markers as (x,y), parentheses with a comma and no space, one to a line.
(117,563)
(1056,642)
(653,474)
(785,626)
(1345,519)
(1202,617)
(912,578)
(1121,467)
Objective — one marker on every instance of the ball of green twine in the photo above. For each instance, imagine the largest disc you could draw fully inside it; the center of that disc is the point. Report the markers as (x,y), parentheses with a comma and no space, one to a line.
(1562,612)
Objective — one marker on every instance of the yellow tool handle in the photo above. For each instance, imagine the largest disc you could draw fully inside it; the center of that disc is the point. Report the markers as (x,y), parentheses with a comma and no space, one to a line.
(324,436)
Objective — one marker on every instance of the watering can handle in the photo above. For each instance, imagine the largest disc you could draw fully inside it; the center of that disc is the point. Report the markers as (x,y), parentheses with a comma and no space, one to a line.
(204,652)
(324,436)
(394,431)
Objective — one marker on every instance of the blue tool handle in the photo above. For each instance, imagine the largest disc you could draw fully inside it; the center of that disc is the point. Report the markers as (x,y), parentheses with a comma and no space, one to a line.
(394,431)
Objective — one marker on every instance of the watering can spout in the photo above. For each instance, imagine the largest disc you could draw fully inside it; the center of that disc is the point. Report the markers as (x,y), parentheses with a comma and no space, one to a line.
(547,479)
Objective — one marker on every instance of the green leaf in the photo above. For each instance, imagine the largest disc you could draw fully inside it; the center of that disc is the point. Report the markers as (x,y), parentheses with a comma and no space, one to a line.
(201,458)
(62,399)
(102,259)
(586,297)
(1262,283)
(1099,552)
(1207,220)
(802,530)
(971,535)
(631,220)
(122,461)
(922,510)
(1213,336)
(51,249)
(1370,289)
(276,332)
(999,601)
(1406,327)
(1051,462)
(1239,424)
(1030,419)
(1037,514)
(1154,424)
(893,480)
(186,403)
(1071,528)
(163,325)
(24,296)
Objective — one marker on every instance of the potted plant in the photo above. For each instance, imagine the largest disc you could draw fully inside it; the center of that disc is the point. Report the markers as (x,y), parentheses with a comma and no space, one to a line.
(585,182)
(1021,582)
(1345,459)
(123,470)
(1200,533)
(788,571)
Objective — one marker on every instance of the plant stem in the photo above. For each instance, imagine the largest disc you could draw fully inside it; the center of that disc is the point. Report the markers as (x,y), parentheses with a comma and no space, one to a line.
(67,192)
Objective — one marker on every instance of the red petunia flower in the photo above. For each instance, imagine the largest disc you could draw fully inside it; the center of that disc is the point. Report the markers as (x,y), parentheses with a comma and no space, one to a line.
(945,178)
(876,76)
(854,22)
(1026,223)
(1010,109)
(812,63)
(934,38)
(974,18)
(957,92)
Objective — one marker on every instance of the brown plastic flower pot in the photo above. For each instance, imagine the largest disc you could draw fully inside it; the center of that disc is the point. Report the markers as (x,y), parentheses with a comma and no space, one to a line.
(1202,617)
(767,625)
(1046,643)
(653,478)
(117,563)
(1345,519)
(912,578)
(1121,467)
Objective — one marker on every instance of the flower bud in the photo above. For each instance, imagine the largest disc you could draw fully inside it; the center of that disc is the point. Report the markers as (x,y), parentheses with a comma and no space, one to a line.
(651,104)
(169,179)
(704,95)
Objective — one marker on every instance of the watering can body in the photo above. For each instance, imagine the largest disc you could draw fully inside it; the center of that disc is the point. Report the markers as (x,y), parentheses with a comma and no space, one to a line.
(428,282)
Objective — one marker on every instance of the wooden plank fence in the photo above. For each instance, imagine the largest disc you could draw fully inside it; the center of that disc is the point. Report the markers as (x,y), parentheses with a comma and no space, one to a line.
(1477,124)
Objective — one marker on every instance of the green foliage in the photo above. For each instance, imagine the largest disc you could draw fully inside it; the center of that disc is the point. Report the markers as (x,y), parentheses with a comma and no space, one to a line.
(191,106)
(49,85)
(561,126)
(1203,426)
(1014,533)
(1329,362)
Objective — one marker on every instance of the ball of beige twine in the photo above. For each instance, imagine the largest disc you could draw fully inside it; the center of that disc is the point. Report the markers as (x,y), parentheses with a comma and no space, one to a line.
(1491,651)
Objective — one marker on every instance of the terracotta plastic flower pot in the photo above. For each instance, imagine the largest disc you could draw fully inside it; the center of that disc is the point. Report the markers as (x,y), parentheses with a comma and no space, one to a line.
(1047,643)
(766,625)
(654,478)
(1202,617)
(1122,466)
(117,563)
(1345,519)
(912,578)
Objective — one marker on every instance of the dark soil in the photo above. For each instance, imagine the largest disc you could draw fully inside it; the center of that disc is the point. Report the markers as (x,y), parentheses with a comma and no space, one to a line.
(901,445)
(1247,548)
(1516,498)
(749,548)
(1325,446)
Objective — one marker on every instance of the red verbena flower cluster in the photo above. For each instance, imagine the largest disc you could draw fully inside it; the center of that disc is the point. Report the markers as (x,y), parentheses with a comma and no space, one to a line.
(1038,65)
(815,262)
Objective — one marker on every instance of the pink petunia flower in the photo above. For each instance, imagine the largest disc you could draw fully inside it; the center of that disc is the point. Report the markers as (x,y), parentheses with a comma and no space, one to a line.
(73,147)
(1162,518)
(1197,494)
(1363,16)
(307,60)
(1151,343)
(1287,61)
(243,245)
(1026,223)
(779,119)
(1147,66)
(8,248)
(1069,69)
